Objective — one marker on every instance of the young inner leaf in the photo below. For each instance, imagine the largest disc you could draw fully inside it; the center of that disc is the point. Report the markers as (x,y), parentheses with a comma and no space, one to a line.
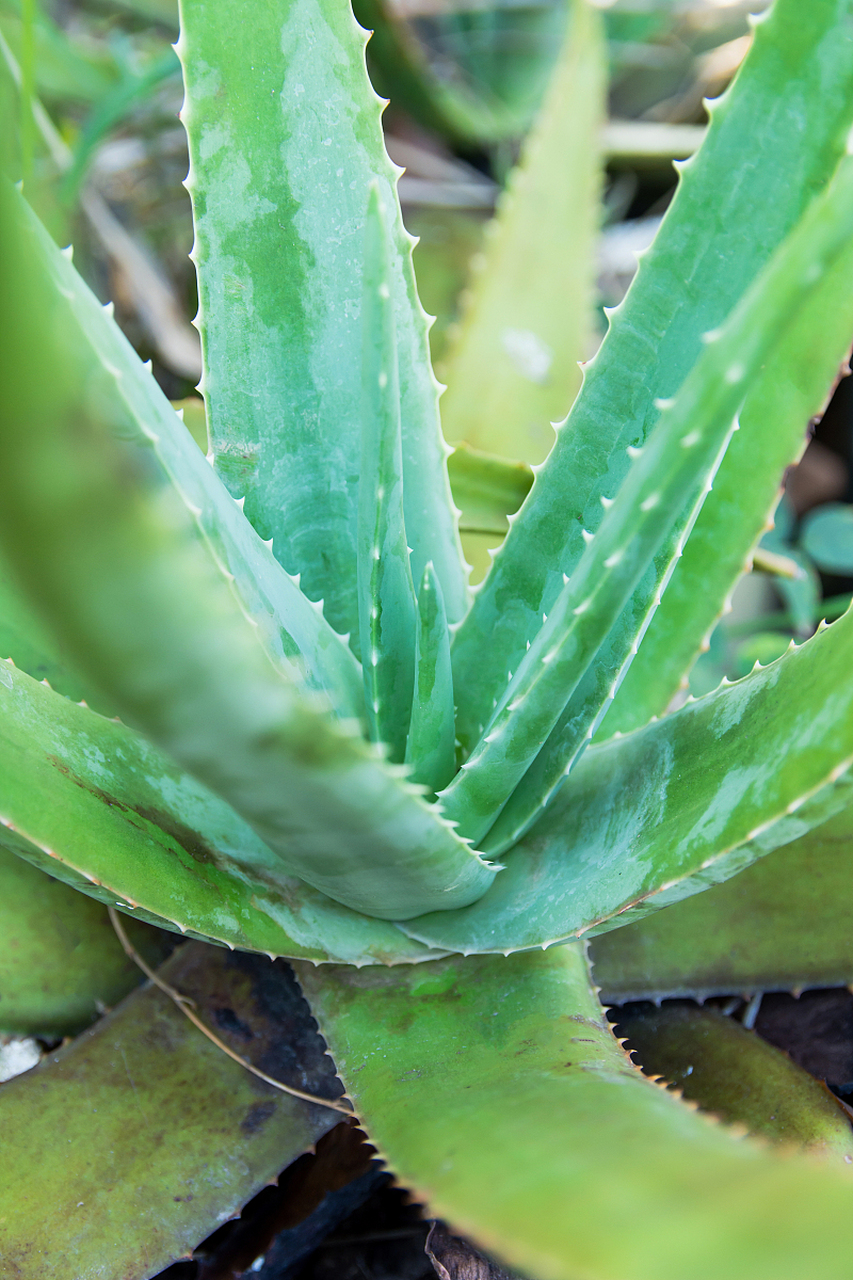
(387,609)
(432,735)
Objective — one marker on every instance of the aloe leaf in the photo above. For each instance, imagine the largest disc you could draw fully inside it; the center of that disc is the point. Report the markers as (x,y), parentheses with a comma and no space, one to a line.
(464,1067)
(117,564)
(386,595)
(487,489)
(798,82)
(514,368)
(732,1072)
(791,389)
(285,140)
(126,1147)
(663,812)
(60,960)
(557,693)
(93,804)
(431,744)
(784,923)
(291,628)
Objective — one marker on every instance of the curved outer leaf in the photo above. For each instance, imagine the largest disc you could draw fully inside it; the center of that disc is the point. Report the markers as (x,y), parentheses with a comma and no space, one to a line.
(738,1076)
(289,625)
(125,1148)
(790,390)
(514,368)
(285,139)
(562,685)
(783,923)
(781,130)
(117,565)
(463,1068)
(60,960)
(92,803)
(690,800)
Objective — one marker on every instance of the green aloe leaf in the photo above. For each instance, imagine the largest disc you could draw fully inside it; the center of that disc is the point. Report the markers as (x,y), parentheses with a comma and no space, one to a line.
(431,744)
(563,683)
(387,607)
(92,803)
(285,140)
(784,923)
(462,1068)
(116,561)
(732,1072)
(791,389)
(514,368)
(126,1147)
(60,960)
(663,812)
(291,628)
(798,83)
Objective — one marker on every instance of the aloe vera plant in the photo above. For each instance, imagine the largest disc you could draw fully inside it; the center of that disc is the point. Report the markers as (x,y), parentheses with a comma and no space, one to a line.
(250,697)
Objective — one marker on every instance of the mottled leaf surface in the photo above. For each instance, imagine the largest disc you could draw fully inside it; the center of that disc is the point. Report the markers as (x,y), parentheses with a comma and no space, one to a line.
(285,140)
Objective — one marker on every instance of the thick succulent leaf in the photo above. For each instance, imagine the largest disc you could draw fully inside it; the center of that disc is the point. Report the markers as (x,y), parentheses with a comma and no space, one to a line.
(496,1091)
(387,608)
(563,684)
(289,625)
(791,389)
(782,924)
(60,960)
(117,564)
(431,744)
(126,1147)
(92,803)
(732,1072)
(781,129)
(285,140)
(487,489)
(514,368)
(663,812)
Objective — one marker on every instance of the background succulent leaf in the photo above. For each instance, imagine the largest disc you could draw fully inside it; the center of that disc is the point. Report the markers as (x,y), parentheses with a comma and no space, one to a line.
(514,367)
(126,1147)
(116,561)
(827,537)
(797,82)
(508,1064)
(756,932)
(60,961)
(279,197)
(730,1071)
(663,812)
